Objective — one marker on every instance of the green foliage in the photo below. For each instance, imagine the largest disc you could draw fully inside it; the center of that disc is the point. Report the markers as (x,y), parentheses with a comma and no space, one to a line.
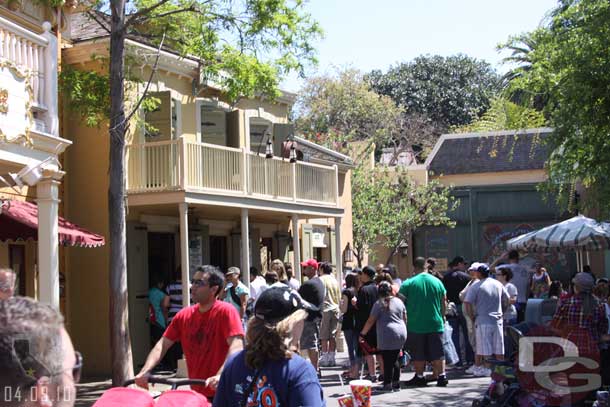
(569,65)
(401,206)
(336,109)
(88,93)
(451,91)
(504,115)
(248,45)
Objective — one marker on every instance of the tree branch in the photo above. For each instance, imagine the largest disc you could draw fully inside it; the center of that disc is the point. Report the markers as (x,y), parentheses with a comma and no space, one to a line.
(100,23)
(168,13)
(143,13)
(150,78)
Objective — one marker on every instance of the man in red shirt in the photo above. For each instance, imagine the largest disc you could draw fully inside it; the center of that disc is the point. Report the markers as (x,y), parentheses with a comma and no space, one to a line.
(209,332)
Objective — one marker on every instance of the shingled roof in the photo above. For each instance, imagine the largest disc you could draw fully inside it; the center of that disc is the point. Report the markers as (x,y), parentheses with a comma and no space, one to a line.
(490,152)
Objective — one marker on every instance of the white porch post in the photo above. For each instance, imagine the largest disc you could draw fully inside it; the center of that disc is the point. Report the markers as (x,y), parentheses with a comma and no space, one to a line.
(296,248)
(338,251)
(47,191)
(245,248)
(184,253)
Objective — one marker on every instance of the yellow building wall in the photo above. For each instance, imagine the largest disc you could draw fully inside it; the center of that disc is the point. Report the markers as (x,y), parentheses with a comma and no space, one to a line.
(87,275)
(493,178)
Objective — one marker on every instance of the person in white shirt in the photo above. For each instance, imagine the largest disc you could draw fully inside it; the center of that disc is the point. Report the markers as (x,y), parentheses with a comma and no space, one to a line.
(292,282)
(257,284)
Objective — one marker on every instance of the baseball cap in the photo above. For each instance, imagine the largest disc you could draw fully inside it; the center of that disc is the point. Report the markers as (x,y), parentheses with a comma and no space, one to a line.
(475,266)
(232,270)
(276,303)
(310,263)
(584,280)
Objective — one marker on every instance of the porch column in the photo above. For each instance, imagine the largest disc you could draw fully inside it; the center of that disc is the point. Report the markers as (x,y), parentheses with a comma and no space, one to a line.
(245,248)
(184,253)
(296,247)
(47,191)
(338,251)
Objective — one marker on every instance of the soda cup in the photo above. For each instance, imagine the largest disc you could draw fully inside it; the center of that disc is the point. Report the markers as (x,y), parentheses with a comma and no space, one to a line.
(361,392)
(346,401)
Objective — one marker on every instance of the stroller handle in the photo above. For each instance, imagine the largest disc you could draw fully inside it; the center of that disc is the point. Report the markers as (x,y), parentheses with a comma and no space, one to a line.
(174,383)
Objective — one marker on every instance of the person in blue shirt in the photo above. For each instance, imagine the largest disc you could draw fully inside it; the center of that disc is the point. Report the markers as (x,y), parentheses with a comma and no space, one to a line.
(268,372)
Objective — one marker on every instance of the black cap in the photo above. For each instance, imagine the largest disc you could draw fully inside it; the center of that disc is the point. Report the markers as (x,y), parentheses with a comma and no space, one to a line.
(276,303)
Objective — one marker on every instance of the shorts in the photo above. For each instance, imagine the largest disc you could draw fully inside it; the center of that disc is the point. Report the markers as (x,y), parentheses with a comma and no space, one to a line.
(310,338)
(425,347)
(328,327)
(490,340)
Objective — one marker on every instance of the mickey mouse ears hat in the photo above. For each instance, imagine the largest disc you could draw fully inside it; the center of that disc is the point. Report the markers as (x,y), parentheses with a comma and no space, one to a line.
(276,303)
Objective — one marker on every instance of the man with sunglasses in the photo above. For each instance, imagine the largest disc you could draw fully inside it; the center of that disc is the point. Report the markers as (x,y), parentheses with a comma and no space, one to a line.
(38,364)
(209,332)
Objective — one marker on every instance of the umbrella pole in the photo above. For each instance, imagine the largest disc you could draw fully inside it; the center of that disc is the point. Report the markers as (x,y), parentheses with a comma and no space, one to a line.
(588,258)
(578,269)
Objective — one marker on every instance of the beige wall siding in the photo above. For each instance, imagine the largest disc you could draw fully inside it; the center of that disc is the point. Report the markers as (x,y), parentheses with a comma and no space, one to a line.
(493,178)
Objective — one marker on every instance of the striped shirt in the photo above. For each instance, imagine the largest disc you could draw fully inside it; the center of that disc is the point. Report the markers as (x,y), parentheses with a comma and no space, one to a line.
(174,290)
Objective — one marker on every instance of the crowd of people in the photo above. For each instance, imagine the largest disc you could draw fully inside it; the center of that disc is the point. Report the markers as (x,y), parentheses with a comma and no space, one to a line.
(246,341)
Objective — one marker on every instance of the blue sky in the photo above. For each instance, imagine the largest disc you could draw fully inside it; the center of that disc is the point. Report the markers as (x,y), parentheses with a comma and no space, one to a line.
(368,35)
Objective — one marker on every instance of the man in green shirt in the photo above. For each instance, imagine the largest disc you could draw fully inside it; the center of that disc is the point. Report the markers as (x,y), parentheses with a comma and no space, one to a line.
(425,300)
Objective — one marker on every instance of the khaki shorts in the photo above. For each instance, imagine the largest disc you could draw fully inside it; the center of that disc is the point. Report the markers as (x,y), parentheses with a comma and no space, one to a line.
(328,327)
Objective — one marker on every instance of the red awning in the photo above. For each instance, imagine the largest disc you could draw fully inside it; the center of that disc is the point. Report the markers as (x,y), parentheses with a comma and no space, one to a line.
(19,221)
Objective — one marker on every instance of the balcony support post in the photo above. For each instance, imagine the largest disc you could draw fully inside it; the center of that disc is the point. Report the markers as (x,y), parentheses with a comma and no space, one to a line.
(184,253)
(296,247)
(48,242)
(244,172)
(245,248)
(183,165)
(336,184)
(294,182)
(338,251)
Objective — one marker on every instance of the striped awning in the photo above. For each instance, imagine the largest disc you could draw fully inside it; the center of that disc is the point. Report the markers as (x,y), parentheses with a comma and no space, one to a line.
(577,233)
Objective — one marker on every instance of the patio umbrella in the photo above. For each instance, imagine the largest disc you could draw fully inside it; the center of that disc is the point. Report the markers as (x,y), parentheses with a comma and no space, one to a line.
(578,233)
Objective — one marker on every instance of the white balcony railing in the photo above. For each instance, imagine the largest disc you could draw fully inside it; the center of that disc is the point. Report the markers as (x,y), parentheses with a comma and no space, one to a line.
(36,55)
(180,165)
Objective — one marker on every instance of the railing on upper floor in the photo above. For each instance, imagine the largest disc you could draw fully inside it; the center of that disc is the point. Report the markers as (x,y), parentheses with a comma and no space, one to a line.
(181,165)
(35,55)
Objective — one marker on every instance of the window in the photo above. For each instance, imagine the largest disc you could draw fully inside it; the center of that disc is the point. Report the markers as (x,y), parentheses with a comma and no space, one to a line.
(260,131)
(213,125)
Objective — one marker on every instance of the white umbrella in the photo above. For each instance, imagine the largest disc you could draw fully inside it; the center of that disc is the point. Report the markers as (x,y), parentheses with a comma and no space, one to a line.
(578,233)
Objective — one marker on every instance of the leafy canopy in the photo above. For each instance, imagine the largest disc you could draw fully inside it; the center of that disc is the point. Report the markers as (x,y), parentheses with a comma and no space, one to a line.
(451,91)
(569,65)
(401,206)
(342,108)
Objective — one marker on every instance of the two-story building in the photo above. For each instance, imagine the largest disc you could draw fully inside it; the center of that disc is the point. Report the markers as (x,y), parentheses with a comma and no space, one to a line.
(30,154)
(208,182)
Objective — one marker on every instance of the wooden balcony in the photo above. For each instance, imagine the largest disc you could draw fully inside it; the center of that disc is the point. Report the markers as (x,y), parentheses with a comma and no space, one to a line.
(178,165)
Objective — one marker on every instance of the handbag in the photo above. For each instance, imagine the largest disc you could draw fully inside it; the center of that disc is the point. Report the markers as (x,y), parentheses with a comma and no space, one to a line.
(451,356)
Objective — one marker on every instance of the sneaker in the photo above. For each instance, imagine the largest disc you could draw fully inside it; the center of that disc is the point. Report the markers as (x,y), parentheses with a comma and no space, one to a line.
(371,378)
(482,372)
(330,362)
(323,362)
(472,369)
(442,381)
(416,382)
(396,386)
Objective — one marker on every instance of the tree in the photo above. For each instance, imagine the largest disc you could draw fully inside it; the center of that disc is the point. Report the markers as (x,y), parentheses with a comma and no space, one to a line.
(246,44)
(451,91)
(341,108)
(401,206)
(504,115)
(570,65)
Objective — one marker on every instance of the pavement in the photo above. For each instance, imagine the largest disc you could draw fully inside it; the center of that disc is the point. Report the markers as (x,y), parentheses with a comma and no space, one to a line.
(461,390)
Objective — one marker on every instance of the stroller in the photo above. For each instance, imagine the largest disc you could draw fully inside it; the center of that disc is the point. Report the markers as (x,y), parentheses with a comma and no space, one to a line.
(126,396)
(504,389)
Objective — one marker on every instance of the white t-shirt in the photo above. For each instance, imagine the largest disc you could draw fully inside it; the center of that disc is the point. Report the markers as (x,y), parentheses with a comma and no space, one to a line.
(520,280)
(257,286)
(511,312)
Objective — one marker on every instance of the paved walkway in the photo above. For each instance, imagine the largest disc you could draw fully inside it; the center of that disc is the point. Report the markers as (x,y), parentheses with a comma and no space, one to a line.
(461,391)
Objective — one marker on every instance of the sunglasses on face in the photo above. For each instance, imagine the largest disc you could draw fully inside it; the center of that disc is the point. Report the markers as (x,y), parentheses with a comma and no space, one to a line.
(199,282)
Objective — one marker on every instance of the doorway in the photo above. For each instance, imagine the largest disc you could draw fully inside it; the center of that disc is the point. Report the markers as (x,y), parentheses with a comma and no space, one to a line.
(17,262)
(161,257)
(218,252)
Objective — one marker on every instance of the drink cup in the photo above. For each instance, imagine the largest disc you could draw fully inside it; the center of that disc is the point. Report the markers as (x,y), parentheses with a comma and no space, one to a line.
(346,401)
(361,392)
